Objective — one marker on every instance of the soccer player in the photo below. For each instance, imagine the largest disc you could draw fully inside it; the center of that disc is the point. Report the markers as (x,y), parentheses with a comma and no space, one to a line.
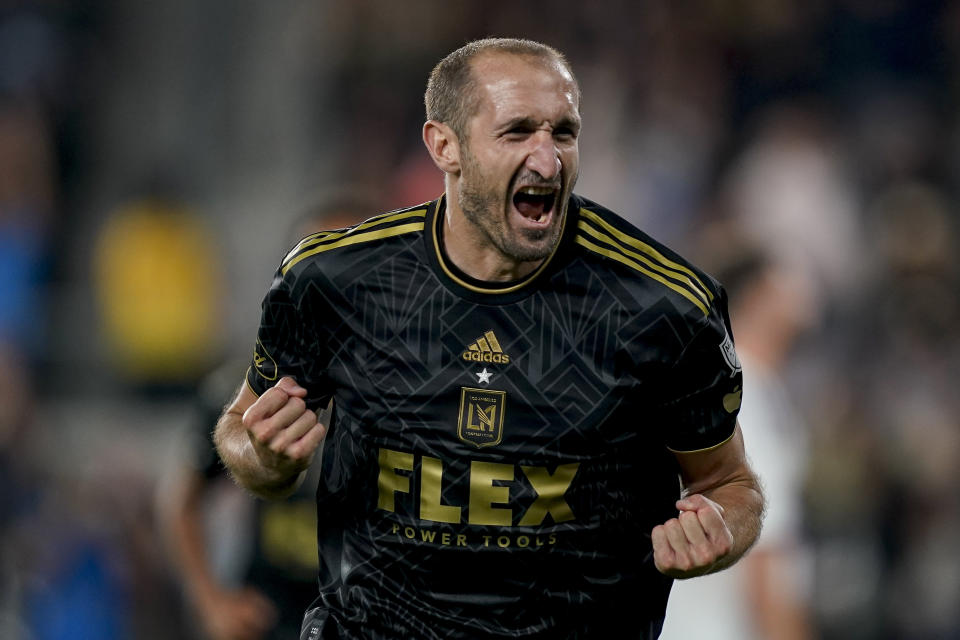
(534,425)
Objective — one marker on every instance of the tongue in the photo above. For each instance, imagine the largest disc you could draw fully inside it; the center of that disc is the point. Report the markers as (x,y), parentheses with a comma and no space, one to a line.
(531,206)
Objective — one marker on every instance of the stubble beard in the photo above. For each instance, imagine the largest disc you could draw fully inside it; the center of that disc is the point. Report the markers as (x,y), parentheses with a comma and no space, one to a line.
(484,208)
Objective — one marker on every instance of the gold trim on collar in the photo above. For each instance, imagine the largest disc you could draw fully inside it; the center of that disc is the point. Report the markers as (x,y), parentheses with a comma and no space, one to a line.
(438,218)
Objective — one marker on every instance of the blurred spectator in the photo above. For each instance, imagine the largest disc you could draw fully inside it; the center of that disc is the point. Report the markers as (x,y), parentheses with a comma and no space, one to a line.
(84,562)
(905,359)
(790,191)
(764,596)
(158,277)
(27,195)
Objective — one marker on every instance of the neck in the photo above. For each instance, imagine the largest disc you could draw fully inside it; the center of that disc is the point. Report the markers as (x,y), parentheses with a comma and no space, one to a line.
(472,251)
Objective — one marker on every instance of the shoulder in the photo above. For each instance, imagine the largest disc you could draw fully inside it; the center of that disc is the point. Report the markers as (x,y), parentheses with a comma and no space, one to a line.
(393,227)
(639,261)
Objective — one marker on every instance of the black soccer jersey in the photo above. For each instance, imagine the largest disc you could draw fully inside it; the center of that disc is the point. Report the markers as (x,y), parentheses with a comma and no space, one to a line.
(500,452)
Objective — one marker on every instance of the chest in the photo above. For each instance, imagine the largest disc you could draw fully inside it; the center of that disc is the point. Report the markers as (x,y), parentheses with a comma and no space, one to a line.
(550,374)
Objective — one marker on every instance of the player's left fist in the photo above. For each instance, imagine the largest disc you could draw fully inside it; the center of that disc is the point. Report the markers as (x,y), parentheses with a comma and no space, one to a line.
(692,543)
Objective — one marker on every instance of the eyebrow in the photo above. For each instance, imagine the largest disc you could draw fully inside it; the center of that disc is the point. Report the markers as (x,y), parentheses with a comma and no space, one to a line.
(521,121)
(526,121)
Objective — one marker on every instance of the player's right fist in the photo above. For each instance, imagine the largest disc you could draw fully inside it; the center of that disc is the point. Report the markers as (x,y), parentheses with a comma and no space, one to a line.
(284,433)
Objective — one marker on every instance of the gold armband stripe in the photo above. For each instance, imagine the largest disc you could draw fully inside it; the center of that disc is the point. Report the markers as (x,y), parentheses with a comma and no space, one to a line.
(706,449)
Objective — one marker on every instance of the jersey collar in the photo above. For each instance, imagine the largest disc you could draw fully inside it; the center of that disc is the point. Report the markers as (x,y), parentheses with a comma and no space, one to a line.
(481,290)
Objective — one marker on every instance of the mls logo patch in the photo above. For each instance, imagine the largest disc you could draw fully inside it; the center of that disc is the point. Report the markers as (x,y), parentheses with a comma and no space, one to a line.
(263,363)
(729,353)
(481,416)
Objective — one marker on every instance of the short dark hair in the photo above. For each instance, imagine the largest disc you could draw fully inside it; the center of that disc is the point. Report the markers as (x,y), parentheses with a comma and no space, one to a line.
(450,90)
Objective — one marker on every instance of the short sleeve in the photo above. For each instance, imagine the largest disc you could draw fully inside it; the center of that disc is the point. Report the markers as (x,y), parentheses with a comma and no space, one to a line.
(702,391)
(287,341)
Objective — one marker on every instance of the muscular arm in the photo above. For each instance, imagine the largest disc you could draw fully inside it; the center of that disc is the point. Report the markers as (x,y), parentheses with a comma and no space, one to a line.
(721,512)
(269,442)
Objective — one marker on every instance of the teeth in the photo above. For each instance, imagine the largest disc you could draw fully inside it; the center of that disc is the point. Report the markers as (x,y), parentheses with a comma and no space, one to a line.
(537,191)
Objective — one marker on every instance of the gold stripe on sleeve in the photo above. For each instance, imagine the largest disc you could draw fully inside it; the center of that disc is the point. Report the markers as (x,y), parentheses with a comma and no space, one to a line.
(681,279)
(353,238)
(621,258)
(666,265)
(327,236)
(310,240)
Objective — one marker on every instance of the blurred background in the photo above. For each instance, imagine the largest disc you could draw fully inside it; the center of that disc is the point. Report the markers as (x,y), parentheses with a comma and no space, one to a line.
(155,155)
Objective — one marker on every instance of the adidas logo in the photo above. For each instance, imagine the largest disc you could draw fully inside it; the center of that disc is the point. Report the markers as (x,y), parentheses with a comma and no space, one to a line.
(486,349)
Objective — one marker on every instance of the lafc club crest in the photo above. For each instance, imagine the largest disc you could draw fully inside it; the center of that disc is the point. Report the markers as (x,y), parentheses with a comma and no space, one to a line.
(730,354)
(481,416)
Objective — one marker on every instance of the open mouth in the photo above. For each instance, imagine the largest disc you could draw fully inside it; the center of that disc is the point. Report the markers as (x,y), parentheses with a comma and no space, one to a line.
(535,203)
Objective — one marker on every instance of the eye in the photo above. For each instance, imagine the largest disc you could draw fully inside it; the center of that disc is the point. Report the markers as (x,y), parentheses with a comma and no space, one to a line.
(564,133)
(518,131)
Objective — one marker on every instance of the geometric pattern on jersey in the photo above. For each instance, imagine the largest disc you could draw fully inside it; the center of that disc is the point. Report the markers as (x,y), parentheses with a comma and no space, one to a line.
(576,383)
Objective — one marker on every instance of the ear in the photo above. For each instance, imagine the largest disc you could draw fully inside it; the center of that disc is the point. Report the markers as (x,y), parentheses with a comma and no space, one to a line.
(443,145)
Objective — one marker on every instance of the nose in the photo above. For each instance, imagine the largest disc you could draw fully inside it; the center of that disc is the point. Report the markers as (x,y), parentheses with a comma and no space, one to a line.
(543,156)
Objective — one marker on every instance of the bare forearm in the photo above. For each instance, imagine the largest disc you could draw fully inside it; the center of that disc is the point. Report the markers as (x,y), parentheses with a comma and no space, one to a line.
(743,507)
(238,454)
(721,512)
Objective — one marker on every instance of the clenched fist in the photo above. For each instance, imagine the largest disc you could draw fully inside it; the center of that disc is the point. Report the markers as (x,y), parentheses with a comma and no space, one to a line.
(285,434)
(694,542)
